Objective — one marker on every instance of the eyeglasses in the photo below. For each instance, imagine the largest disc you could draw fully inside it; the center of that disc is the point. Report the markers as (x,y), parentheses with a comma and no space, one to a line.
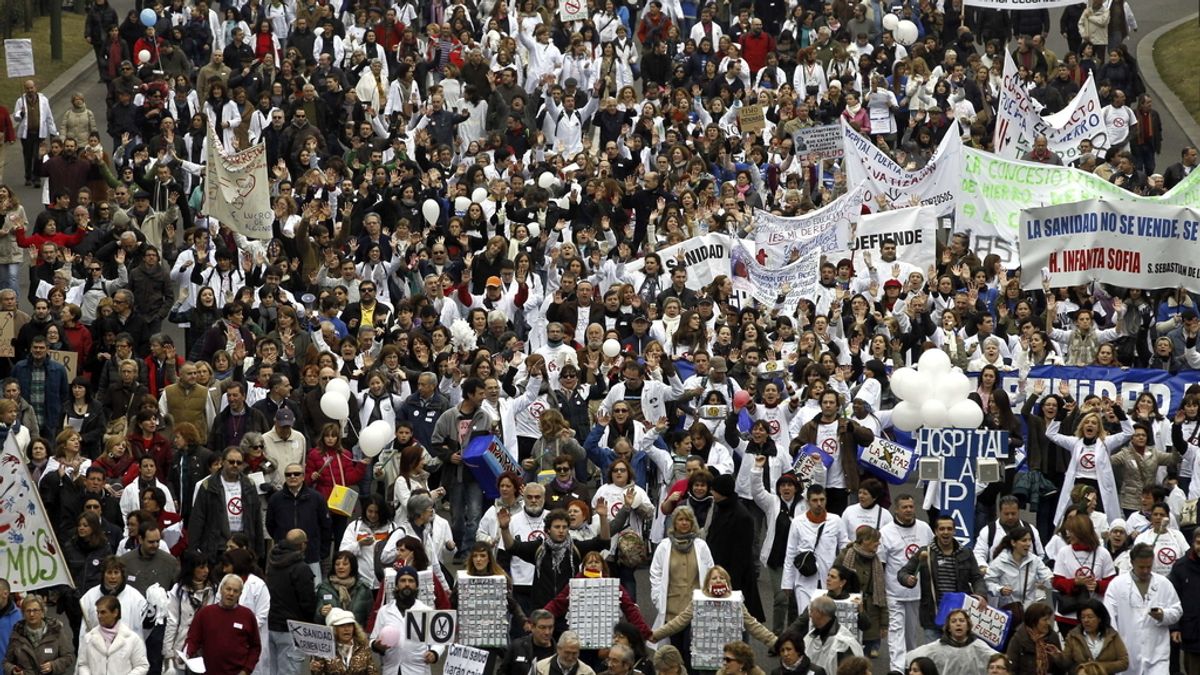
(293,474)
(234,462)
(729,659)
(564,376)
(562,469)
(260,446)
(620,410)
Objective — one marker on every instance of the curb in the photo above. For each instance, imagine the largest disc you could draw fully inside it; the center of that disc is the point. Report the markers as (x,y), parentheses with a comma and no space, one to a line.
(1145,57)
(86,65)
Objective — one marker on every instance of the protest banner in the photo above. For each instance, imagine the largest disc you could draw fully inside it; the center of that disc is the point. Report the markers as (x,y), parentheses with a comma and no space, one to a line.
(236,189)
(715,623)
(987,623)
(818,143)
(959,450)
(595,607)
(30,555)
(705,258)
(18,57)
(464,660)
(432,626)
(994,190)
(482,610)
(1129,245)
(751,118)
(1122,385)
(777,237)
(69,360)
(935,184)
(1021,4)
(913,229)
(312,639)
(572,10)
(1018,122)
(888,460)
(810,465)
(792,282)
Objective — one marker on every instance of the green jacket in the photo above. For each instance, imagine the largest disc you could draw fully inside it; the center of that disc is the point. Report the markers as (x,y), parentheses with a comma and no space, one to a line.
(362,599)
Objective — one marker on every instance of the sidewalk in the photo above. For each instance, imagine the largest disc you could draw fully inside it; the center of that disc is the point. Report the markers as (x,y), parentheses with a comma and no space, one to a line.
(1170,102)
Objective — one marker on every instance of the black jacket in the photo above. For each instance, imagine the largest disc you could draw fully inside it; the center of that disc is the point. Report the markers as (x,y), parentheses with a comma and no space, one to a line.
(522,655)
(548,580)
(804,667)
(306,511)
(730,537)
(1185,577)
(209,529)
(291,586)
(969,578)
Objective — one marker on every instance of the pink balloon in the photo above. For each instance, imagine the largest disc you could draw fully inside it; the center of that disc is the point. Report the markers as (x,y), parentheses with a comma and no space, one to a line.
(740,399)
(389,636)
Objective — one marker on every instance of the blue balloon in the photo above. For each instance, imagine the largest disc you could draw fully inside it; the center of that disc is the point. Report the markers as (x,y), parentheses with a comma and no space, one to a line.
(148,17)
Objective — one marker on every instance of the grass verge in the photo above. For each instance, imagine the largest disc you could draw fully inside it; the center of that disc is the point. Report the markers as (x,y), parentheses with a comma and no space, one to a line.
(74,46)
(1176,53)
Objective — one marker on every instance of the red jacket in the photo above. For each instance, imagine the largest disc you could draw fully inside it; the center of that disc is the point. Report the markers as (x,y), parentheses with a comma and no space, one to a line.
(755,49)
(79,339)
(341,470)
(8,133)
(152,373)
(559,605)
(157,447)
(36,240)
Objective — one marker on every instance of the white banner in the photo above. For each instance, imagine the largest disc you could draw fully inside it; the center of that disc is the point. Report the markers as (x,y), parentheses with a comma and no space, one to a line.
(30,555)
(934,185)
(1019,123)
(705,258)
(1021,4)
(1135,246)
(818,143)
(715,623)
(482,610)
(236,190)
(795,281)
(914,230)
(464,660)
(312,639)
(573,10)
(994,190)
(827,228)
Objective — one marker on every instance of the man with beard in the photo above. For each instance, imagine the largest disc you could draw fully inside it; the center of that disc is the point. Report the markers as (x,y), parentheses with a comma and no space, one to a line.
(225,634)
(818,534)
(731,537)
(398,653)
(555,557)
(900,540)
(68,171)
(526,525)
(290,582)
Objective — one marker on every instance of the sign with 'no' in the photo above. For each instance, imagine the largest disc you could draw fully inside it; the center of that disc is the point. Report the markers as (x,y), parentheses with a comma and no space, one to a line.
(572,10)
(431,626)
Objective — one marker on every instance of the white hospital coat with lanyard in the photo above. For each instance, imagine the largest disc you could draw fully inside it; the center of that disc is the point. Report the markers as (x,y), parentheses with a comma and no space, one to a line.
(525,527)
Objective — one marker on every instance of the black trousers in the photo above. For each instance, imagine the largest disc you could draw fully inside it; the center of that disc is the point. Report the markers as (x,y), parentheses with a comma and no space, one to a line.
(29,152)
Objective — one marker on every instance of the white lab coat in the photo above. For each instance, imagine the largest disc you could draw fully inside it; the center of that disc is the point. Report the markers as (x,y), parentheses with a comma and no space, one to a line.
(131,501)
(660,574)
(1102,451)
(1148,641)
(46,124)
(126,655)
(405,656)
(257,599)
(803,537)
(134,609)
(769,503)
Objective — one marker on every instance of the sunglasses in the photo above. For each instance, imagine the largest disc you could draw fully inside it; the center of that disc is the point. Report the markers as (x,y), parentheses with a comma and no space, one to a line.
(234,462)
(293,474)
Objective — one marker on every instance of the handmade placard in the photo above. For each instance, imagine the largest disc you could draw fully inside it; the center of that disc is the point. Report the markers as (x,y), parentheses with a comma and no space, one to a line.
(715,623)
(595,609)
(482,611)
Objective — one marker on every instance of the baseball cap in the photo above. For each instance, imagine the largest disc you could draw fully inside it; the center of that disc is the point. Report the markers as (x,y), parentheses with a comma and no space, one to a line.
(494,281)
(284,417)
(717,364)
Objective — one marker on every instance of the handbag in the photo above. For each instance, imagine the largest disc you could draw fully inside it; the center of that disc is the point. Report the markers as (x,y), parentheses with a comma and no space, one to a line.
(342,499)
(1017,609)
(806,561)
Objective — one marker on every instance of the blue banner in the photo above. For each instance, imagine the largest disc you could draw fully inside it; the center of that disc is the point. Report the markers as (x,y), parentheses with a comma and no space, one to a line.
(959,450)
(891,461)
(1119,384)
(990,624)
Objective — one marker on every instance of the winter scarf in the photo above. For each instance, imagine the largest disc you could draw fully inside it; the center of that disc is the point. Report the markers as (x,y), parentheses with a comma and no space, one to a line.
(876,580)
(343,586)
(683,543)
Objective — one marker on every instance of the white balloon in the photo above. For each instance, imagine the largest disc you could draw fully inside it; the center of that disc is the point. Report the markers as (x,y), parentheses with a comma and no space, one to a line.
(431,210)
(375,437)
(339,386)
(934,413)
(934,362)
(965,415)
(144,56)
(952,387)
(461,204)
(334,406)
(610,348)
(906,416)
(547,180)
(904,383)
(890,20)
(479,195)
(906,32)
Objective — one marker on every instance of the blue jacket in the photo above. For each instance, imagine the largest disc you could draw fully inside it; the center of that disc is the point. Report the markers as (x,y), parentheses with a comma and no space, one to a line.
(603,457)
(423,415)
(56,389)
(9,616)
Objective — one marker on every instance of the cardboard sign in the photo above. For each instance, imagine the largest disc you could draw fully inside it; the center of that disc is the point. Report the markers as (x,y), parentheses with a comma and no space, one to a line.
(464,660)
(572,10)
(715,623)
(8,333)
(819,142)
(69,360)
(888,460)
(313,639)
(751,118)
(987,623)
(482,611)
(431,626)
(595,607)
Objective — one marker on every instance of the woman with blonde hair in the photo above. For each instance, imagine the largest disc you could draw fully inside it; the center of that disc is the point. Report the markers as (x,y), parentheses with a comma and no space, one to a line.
(558,438)
(354,656)
(716,585)
(681,560)
(1090,450)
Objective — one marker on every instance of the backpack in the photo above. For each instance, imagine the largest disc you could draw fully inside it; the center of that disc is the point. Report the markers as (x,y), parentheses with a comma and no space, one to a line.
(631,549)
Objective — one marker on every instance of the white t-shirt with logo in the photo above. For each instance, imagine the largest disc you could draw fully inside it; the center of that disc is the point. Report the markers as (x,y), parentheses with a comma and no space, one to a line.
(827,440)
(233,504)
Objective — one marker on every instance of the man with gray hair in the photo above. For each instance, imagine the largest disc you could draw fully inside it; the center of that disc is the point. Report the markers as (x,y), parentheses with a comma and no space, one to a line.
(566,658)
(620,660)
(423,407)
(828,641)
(226,634)
(529,649)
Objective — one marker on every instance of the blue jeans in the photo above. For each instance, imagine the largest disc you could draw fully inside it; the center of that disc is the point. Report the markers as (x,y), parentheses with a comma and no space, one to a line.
(10,277)
(286,659)
(466,508)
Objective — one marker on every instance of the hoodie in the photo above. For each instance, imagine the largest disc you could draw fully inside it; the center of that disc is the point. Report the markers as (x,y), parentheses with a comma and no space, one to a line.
(291,585)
